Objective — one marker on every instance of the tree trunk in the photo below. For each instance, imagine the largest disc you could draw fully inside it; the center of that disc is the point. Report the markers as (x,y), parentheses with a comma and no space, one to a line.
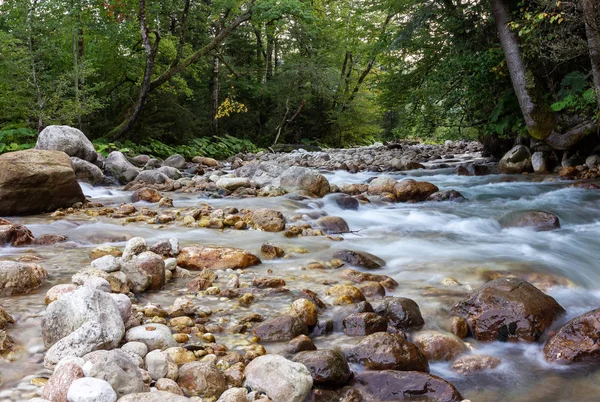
(34,75)
(151,51)
(591,10)
(215,95)
(270,50)
(76,29)
(538,119)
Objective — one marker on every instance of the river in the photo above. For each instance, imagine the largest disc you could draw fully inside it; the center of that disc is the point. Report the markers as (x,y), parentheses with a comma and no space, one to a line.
(424,245)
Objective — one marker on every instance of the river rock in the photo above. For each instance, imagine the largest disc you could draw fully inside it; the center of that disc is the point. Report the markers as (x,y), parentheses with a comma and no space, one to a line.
(409,190)
(120,168)
(437,345)
(282,328)
(233,183)
(298,178)
(5,318)
(154,396)
(117,368)
(268,220)
(300,343)
(170,172)
(176,161)
(327,367)
(14,234)
(201,379)
(402,313)
(19,277)
(7,344)
(87,171)
(349,291)
(333,225)
(152,177)
(147,194)
(59,382)
(306,310)
(155,336)
(281,379)
(388,385)
(361,324)
(91,390)
(508,309)
(473,364)
(68,140)
(57,291)
(107,263)
(234,395)
(539,221)
(359,258)
(45,179)
(160,365)
(146,271)
(446,195)
(215,257)
(345,201)
(79,323)
(383,351)
(576,341)
(540,162)
(382,185)
(166,384)
(517,160)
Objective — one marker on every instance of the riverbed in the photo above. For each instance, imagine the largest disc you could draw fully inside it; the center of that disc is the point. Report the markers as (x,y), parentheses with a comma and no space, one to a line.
(438,252)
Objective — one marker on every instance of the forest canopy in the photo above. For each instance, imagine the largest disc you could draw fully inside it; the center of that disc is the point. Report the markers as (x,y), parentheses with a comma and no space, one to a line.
(335,73)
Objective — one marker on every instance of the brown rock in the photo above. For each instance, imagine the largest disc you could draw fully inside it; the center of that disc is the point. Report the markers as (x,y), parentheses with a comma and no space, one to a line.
(459,327)
(306,310)
(268,220)
(198,283)
(508,309)
(576,341)
(313,297)
(473,364)
(50,239)
(388,385)
(14,235)
(333,225)
(235,375)
(57,386)
(270,251)
(300,343)
(383,351)
(282,328)
(214,257)
(359,258)
(437,345)
(360,277)
(409,190)
(401,313)
(201,379)
(372,289)
(18,277)
(5,318)
(168,385)
(268,282)
(44,179)
(103,250)
(7,344)
(327,367)
(147,194)
(346,290)
(364,324)
(381,185)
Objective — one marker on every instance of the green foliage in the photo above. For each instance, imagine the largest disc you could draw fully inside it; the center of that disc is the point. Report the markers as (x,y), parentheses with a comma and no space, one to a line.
(214,147)
(17,139)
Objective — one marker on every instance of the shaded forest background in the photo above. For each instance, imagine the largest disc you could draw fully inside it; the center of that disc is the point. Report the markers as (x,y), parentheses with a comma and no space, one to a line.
(229,75)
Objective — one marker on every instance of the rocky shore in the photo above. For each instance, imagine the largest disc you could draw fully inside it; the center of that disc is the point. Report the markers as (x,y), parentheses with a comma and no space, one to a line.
(237,326)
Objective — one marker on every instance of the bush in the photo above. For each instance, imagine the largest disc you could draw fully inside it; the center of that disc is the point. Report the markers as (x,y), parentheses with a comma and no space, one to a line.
(17,139)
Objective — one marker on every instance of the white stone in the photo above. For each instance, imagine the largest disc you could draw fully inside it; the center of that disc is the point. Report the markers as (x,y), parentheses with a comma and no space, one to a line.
(91,390)
(281,379)
(107,263)
(155,336)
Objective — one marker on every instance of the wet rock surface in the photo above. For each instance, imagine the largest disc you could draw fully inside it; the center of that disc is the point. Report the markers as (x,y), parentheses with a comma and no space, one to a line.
(508,309)
(576,341)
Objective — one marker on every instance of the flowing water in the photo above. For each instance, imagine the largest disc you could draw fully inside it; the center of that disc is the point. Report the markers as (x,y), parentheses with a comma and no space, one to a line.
(423,244)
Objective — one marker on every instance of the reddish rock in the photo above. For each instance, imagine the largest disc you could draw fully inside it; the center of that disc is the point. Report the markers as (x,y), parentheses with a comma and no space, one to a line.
(50,239)
(388,385)
(359,258)
(327,367)
(438,346)
(301,343)
(384,351)
(147,194)
(576,341)
(360,277)
(57,386)
(508,309)
(401,313)
(214,257)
